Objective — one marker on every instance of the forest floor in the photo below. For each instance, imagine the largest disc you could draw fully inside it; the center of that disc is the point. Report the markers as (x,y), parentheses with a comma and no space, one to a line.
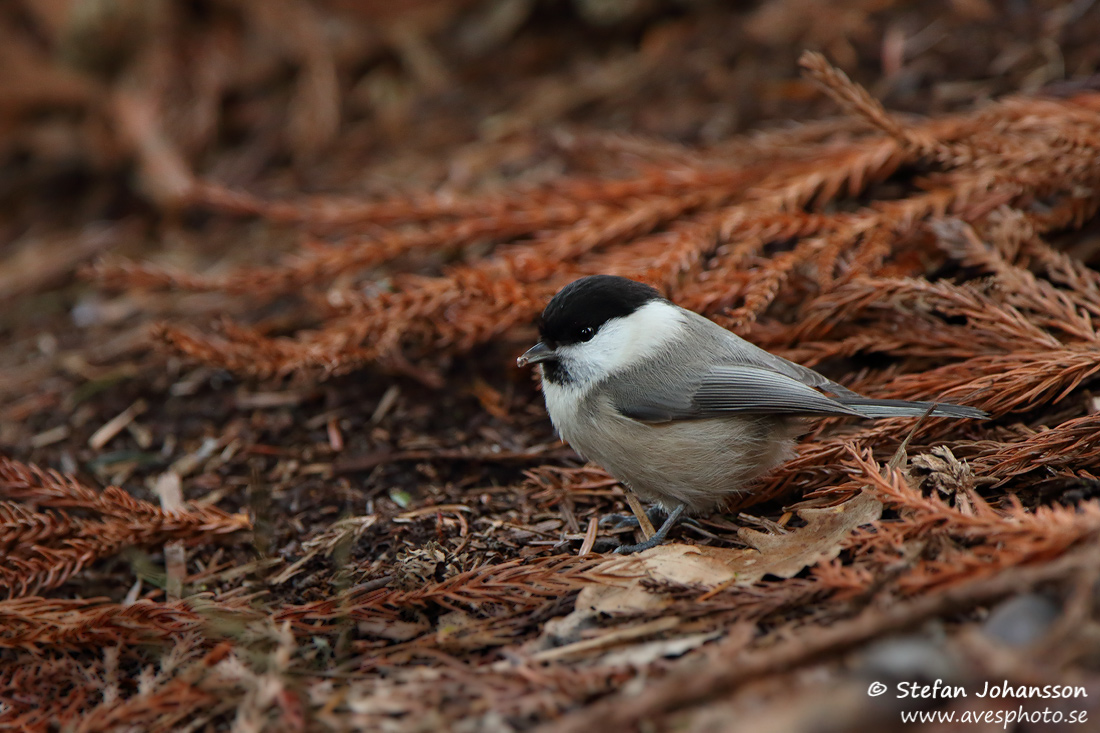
(267,462)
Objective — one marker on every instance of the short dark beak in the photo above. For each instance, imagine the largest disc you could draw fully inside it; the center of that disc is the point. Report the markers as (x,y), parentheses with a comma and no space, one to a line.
(537,353)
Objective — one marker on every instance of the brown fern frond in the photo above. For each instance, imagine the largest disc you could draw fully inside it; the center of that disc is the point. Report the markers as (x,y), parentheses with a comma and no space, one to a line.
(21,525)
(631,148)
(245,353)
(456,311)
(1002,383)
(1018,382)
(63,681)
(1046,306)
(854,99)
(343,211)
(113,273)
(453,313)
(1061,269)
(996,540)
(1051,534)
(504,587)
(52,546)
(740,238)
(52,489)
(867,308)
(32,623)
(1072,446)
(98,693)
(328,212)
(174,705)
(813,185)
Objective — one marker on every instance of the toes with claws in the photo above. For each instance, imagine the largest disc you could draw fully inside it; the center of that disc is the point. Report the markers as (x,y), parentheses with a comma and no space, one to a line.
(657,538)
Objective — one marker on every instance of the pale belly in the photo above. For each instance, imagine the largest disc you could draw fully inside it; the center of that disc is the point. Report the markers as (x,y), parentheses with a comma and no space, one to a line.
(697,463)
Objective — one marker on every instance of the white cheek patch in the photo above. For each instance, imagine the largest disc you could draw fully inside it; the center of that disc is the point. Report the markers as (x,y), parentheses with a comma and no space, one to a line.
(562,403)
(623,342)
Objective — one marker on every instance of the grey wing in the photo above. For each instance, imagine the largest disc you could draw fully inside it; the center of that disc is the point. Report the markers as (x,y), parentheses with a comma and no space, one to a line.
(735,376)
(722,391)
(725,375)
(754,355)
(735,351)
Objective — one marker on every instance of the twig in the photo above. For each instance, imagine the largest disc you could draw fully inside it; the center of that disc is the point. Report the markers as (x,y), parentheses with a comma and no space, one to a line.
(116,425)
(639,512)
(589,537)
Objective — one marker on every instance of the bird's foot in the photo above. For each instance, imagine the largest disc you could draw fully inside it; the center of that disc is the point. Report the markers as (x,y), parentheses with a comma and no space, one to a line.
(655,515)
(657,538)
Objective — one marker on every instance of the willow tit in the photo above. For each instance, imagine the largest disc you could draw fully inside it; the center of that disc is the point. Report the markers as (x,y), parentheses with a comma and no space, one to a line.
(676,407)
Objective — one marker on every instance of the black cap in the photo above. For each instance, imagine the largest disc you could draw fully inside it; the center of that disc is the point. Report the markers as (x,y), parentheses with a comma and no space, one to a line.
(576,313)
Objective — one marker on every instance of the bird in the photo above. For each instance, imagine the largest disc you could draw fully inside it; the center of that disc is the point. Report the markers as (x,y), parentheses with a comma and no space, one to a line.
(678,409)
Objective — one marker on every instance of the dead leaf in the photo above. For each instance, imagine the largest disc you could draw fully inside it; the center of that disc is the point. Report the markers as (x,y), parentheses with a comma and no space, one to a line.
(712,567)
(820,540)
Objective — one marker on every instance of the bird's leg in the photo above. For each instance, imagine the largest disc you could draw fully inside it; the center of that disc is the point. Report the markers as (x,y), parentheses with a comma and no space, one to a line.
(657,538)
(655,514)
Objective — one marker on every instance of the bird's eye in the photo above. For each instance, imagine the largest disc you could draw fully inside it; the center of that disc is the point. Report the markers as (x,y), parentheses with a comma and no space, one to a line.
(587,333)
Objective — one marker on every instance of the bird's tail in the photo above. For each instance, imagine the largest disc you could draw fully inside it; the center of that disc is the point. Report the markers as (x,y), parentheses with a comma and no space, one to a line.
(868,407)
